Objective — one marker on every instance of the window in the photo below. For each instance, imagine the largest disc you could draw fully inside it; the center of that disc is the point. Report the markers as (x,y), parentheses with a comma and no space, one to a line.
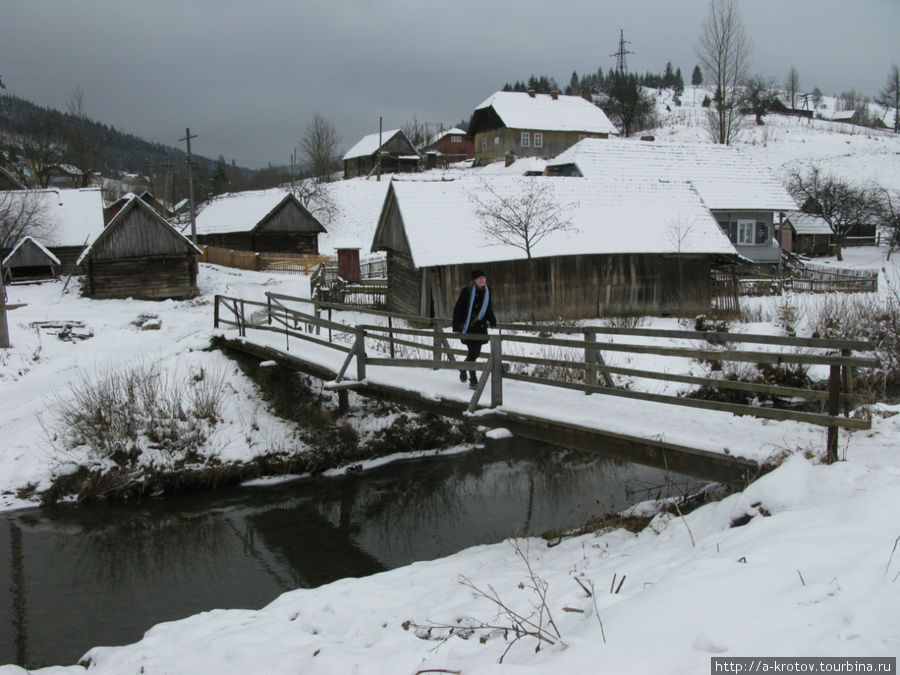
(456,139)
(525,139)
(496,140)
(483,144)
(746,232)
(538,139)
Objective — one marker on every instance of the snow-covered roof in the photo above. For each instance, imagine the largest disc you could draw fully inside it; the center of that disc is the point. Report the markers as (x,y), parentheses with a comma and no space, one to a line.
(607,215)
(805,223)
(520,110)
(725,177)
(238,211)
(135,203)
(67,217)
(842,115)
(368,145)
(455,131)
(34,241)
(522,166)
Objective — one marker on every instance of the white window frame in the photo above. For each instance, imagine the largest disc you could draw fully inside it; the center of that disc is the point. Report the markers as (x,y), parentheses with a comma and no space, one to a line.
(746,232)
(456,139)
(496,140)
(525,140)
(538,139)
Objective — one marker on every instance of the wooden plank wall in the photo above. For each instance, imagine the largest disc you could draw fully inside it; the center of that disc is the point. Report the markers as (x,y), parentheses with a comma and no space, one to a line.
(404,285)
(150,278)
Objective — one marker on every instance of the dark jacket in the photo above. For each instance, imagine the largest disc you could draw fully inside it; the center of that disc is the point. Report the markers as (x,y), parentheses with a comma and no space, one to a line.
(477,329)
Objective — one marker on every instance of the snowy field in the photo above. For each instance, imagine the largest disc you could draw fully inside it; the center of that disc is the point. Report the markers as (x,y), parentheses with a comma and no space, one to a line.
(813,571)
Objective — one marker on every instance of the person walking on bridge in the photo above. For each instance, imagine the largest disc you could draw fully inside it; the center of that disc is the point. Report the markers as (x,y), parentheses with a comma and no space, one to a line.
(471,315)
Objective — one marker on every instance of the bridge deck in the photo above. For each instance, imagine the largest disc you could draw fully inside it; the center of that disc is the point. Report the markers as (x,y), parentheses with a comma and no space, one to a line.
(712,444)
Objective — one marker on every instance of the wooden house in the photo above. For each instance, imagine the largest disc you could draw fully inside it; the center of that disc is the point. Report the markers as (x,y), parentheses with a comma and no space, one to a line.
(620,254)
(452,145)
(30,260)
(9,180)
(259,220)
(64,221)
(806,234)
(140,255)
(398,155)
(745,197)
(525,124)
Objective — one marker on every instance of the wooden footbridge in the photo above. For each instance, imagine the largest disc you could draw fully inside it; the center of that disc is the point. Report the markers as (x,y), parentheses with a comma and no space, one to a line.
(534,379)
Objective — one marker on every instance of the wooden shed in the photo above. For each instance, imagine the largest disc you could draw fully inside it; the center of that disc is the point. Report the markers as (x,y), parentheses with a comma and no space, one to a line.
(261,221)
(617,257)
(397,153)
(30,260)
(139,255)
(806,234)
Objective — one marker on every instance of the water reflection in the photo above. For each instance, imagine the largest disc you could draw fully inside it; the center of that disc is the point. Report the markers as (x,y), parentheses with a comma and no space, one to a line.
(102,574)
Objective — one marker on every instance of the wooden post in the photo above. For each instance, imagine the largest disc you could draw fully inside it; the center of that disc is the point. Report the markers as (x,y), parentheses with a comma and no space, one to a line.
(436,345)
(242,331)
(590,351)
(269,309)
(360,354)
(391,336)
(216,311)
(848,384)
(496,371)
(834,400)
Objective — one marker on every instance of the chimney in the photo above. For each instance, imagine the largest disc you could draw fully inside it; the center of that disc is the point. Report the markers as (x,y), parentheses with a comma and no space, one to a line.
(531,93)
(554,94)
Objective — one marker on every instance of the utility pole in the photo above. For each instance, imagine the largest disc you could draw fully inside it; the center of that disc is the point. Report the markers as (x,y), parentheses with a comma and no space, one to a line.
(4,327)
(188,137)
(380,151)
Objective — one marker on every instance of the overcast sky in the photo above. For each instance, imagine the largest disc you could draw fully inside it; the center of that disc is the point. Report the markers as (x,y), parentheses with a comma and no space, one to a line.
(248,76)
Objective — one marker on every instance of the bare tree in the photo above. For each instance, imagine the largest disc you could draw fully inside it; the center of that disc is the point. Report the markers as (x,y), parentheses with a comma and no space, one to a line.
(22,214)
(319,147)
(889,97)
(837,202)
(79,151)
(521,217)
(890,217)
(724,52)
(317,199)
(42,145)
(792,86)
(758,96)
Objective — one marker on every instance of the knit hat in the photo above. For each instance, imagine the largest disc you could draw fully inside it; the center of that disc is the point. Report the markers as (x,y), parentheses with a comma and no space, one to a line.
(477,273)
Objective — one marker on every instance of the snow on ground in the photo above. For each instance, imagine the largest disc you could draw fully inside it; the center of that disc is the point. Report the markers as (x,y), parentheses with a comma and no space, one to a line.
(815,571)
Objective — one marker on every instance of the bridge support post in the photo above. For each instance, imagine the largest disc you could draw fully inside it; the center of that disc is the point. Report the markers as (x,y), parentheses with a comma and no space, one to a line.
(496,371)
(360,346)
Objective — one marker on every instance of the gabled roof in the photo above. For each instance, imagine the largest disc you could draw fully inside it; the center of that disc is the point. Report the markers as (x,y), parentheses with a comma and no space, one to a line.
(541,112)
(26,241)
(607,216)
(135,203)
(368,145)
(67,217)
(805,223)
(243,211)
(725,178)
(12,178)
(455,131)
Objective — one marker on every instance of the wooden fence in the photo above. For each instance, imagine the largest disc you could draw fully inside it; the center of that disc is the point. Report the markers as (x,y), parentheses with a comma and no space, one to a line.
(810,279)
(582,363)
(283,262)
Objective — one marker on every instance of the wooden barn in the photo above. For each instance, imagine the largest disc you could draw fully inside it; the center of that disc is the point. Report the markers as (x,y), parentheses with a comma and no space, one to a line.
(109,212)
(525,124)
(30,260)
(261,221)
(139,255)
(806,234)
(745,197)
(9,180)
(452,145)
(398,155)
(628,249)
(64,221)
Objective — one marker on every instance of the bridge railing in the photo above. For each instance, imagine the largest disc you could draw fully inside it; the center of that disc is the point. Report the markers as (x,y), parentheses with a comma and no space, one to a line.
(517,350)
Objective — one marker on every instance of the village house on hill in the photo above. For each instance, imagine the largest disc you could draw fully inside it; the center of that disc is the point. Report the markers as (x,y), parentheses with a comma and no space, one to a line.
(63,221)
(622,254)
(398,155)
(452,145)
(259,220)
(745,197)
(140,255)
(526,124)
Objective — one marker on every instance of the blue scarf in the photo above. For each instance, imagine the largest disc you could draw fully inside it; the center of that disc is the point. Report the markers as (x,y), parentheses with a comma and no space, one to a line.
(484,306)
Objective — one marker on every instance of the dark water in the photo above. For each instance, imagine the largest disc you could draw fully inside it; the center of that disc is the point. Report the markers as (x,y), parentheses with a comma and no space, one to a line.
(79,577)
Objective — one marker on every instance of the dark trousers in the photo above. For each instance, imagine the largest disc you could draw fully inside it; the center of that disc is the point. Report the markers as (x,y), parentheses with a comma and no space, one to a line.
(474,347)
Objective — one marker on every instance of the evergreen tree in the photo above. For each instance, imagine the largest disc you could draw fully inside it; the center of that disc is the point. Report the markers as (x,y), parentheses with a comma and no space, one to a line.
(679,84)
(697,77)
